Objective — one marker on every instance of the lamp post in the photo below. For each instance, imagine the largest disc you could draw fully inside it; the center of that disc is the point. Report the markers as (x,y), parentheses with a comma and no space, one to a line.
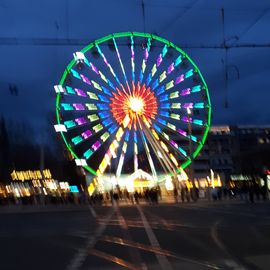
(191,176)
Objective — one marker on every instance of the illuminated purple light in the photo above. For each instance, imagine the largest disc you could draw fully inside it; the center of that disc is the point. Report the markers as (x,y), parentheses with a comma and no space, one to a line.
(159,60)
(86,134)
(80,92)
(78,107)
(187,119)
(174,143)
(170,68)
(179,79)
(96,145)
(106,61)
(146,54)
(94,68)
(182,132)
(188,105)
(81,121)
(185,92)
(85,79)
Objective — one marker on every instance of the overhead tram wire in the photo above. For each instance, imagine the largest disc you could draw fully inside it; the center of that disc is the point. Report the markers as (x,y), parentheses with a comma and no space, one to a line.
(5,41)
(178,17)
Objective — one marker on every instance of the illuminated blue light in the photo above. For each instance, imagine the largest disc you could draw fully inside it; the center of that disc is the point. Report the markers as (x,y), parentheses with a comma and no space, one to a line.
(165,106)
(112,129)
(164,98)
(178,60)
(103,98)
(161,90)
(135,138)
(157,128)
(199,105)
(196,88)
(70,90)
(149,78)
(87,154)
(163,113)
(106,91)
(103,115)
(111,84)
(107,122)
(141,76)
(75,74)
(155,84)
(183,151)
(164,51)
(189,73)
(193,138)
(198,122)
(163,122)
(74,189)
(127,136)
(102,106)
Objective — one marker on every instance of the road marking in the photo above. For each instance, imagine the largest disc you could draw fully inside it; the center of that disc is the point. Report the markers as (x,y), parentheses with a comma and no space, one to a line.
(114,259)
(229,262)
(79,258)
(93,212)
(134,254)
(162,260)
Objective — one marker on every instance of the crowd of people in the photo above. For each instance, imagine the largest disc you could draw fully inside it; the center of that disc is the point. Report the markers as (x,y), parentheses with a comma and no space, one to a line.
(114,196)
(249,192)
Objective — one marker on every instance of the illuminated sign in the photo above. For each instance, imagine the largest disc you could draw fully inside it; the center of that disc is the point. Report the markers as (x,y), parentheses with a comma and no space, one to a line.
(30,175)
(240,177)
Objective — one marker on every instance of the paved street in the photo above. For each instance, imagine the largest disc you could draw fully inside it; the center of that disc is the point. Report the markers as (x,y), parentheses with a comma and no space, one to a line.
(221,235)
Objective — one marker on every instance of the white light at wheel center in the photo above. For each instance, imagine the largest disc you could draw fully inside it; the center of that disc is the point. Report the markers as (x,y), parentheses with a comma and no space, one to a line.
(136,104)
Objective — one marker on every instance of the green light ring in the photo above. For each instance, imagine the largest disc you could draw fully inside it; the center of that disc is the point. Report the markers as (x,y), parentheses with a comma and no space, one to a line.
(144,35)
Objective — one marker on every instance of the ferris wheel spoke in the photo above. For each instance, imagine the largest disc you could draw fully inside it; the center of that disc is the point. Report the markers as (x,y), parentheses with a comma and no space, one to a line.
(93,83)
(176,130)
(111,151)
(155,68)
(179,93)
(90,118)
(156,130)
(132,57)
(150,160)
(96,145)
(160,149)
(79,57)
(79,107)
(167,87)
(108,64)
(121,64)
(145,58)
(82,137)
(135,145)
(86,94)
(185,118)
(169,71)
(123,153)
(165,73)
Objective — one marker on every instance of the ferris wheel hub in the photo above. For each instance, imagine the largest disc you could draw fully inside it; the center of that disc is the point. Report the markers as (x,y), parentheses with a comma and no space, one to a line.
(136,105)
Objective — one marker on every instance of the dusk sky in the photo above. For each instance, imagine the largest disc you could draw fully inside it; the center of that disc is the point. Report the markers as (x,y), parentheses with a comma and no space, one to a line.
(38,38)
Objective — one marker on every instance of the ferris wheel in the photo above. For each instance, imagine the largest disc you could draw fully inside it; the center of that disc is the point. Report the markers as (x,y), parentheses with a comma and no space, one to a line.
(132,101)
